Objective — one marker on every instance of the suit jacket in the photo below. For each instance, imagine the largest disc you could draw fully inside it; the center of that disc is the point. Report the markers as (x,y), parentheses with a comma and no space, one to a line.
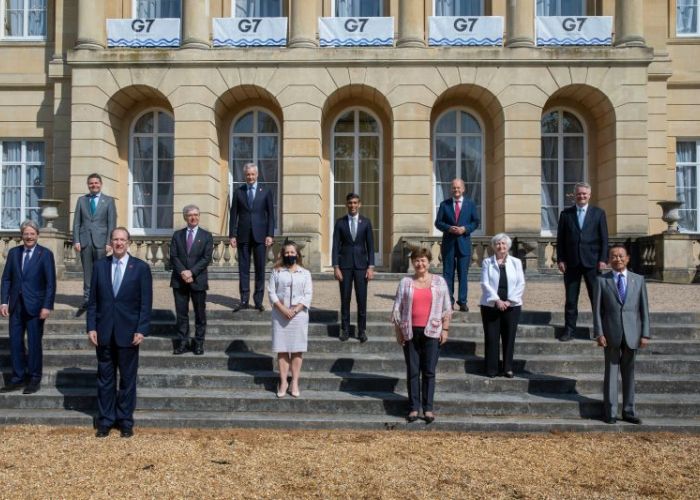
(585,246)
(129,312)
(349,254)
(490,276)
(258,219)
(196,261)
(36,284)
(614,319)
(94,229)
(468,218)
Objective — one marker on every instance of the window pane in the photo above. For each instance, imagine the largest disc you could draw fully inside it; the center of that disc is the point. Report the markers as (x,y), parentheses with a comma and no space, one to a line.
(165,123)
(267,171)
(165,193)
(549,218)
(550,148)
(369,170)
(572,8)
(10,218)
(354,8)
(143,148)
(471,170)
(165,217)
(141,217)
(143,194)
(144,125)
(445,171)
(687,17)
(469,124)
(573,148)
(448,123)
(37,18)
(341,190)
(573,171)
(367,123)
(446,147)
(550,171)
(550,195)
(165,148)
(686,152)
(11,151)
(14,18)
(550,123)
(343,170)
(369,193)
(572,125)
(458,8)
(266,124)
(267,147)
(258,8)
(346,123)
(244,125)
(344,147)
(243,149)
(157,8)
(142,170)
(442,191)
(35,152)
(369,147)
(165,170)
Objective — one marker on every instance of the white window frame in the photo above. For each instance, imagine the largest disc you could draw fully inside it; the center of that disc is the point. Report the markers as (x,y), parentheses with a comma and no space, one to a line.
(695,33)
(436,202)
(255,134)
(696,140)
(135,9)
(333,9)
(482,7)
(233,10)
(559,13)
(25,26)
(378,225)
(560,159)
(149,231)
(23,179)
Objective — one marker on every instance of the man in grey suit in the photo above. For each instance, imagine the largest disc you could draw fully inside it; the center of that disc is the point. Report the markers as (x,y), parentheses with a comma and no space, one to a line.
(95,218)
(620,326)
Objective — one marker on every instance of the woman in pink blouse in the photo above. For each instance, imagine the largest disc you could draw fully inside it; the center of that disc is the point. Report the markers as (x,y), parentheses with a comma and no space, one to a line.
(421,316)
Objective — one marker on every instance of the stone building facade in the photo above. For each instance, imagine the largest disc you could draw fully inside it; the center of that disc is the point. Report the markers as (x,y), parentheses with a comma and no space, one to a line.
(520,123)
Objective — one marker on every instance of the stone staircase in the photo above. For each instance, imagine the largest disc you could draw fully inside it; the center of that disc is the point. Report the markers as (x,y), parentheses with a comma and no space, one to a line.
(347,385)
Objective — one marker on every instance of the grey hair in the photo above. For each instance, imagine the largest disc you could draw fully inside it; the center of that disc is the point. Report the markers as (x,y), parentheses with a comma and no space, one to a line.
(29,223)
(187,208)
(501,237)
(460,180)
(582,185)
(250,166)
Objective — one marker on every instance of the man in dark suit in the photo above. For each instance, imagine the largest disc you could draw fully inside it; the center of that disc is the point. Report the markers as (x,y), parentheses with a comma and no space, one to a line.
(582,248)
(118,319)
(191,249)
(95,217)
(353,262)
(457,218)
(620,326)
(28,292)
(251,229)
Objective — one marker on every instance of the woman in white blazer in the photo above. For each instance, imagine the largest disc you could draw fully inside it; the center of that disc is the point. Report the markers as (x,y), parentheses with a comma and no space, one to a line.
(502,287)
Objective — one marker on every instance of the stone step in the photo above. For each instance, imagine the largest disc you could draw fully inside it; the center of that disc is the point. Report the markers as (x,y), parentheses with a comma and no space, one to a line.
(210,419)
(323,344)
(372,363)
(374,403)
(387,382)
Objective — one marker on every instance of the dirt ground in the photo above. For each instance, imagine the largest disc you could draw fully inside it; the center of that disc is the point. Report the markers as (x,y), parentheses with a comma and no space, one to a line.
(51,462)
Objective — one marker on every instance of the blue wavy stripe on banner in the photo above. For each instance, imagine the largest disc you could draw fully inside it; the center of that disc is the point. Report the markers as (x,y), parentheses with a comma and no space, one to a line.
(337,42)
(575,41)
(162,42)
(229,42)
(465,41)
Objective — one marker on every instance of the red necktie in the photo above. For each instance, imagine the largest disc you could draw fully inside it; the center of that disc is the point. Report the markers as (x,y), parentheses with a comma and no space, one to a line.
(457,210)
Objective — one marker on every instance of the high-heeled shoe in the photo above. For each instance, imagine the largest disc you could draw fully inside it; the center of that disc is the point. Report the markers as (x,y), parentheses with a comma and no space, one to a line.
(281,394)
(294,394)
(412,417)
(429,419)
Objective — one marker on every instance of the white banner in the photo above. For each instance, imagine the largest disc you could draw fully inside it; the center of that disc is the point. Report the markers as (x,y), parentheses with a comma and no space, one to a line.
(355,31)
(556,30)
(250,32)
(164,32)
(476,30)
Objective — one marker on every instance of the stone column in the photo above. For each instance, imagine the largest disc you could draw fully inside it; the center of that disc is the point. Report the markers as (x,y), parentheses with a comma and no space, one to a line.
(91,25)
(411,24)
(195,24)
(303,23)
(520,23)
(629,23)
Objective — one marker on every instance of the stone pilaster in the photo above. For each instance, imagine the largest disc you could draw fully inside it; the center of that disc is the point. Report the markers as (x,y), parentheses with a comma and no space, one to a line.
(629,23)
(91,25)
(411,24)
(520,23)
(195,24)
(303,22)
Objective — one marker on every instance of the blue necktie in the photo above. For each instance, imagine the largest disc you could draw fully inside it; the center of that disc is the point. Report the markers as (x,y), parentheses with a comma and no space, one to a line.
(93,204)
(25,262)
(250,196)
(621,287)
(581,215)
(117,281)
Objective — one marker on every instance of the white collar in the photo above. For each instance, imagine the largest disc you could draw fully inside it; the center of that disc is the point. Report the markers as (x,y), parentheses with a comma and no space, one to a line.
(123,260)
(616,274)
(584,208)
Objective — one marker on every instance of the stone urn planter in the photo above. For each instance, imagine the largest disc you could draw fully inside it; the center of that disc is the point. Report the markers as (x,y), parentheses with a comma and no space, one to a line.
(670,214)
(49,211)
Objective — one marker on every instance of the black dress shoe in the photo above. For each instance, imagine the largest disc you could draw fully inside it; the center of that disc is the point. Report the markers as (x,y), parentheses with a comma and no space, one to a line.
(362,337)
(240,306)
(126,433)
(32,387)
(411,418)
(344,335)
(462,307)
(12,387)
(632,419)
(81,310)
(565,337)
(102,432)
(260,308)
(182,348)
(509,374)
(429,419)
(610,420)
(198,348)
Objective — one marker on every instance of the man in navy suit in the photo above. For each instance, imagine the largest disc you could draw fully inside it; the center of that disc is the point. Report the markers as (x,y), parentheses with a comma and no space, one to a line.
(251,229)
(457,218)
(353,262)
(582,250)
(118,319)
(28,292)
(191,249)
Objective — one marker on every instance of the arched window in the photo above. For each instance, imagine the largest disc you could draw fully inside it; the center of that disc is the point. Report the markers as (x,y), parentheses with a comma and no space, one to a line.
(563,164)
(151,169)
(358,167)
(458,153)
(255,138)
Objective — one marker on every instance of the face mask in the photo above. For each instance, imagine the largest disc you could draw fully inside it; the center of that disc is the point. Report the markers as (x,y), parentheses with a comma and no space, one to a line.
(289,260)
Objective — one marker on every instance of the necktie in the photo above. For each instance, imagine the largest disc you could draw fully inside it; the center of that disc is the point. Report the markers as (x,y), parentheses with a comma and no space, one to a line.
(251,196)
(353,227)
(117,281)
(458,210)
(93,204)
(190,239)
(581,215)
(25,262)
(621,287)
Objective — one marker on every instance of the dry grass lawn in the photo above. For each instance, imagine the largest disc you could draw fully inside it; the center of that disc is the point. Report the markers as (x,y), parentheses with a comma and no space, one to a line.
(46,462)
